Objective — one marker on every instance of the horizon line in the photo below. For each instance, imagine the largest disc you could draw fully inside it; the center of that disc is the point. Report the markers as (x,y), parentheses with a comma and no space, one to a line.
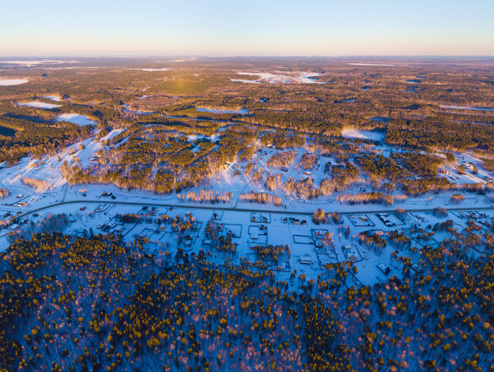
(244,56)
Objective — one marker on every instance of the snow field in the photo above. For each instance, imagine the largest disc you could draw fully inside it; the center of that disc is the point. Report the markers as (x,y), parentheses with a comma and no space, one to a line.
(8,82)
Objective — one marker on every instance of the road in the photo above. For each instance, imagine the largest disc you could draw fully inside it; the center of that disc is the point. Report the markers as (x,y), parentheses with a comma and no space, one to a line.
(253,209)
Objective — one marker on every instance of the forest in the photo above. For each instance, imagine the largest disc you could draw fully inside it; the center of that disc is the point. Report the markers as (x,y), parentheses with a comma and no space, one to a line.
(93,303)
(86,301)
(28,137)
(436,112)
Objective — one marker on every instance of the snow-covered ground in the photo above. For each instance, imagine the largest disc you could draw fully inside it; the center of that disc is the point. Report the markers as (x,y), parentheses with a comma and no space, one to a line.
(467,108)
(80,120)
(150,69)
(362,134)
(48,169)
(88,208)
(45,169)
(54,98)
(7,82)
(371,64)
(128,109)
(266,77)
(42,105)
(242,111)
(94,210)
(30,63)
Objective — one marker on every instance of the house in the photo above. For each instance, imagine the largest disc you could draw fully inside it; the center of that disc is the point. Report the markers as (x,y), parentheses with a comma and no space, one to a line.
(119,230)
(385,269)
(306,260)
(417,268)
(188,241)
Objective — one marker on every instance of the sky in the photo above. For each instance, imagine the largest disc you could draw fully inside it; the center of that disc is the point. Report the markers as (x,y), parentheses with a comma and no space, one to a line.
(247,28)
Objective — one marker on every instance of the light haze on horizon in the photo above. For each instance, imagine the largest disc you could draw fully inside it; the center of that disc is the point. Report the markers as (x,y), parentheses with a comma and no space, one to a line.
(231,28)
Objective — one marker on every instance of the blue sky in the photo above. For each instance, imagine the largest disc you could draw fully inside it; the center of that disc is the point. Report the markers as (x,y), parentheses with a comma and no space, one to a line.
(253,27)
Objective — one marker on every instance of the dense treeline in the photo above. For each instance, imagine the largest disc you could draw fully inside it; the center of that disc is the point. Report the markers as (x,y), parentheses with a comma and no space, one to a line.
(439,134)
(93,303)
(37,138)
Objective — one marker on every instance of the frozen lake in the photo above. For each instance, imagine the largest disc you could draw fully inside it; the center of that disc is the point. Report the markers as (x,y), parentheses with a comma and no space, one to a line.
(7,82)
(42,105)
(468,108)
(80,120)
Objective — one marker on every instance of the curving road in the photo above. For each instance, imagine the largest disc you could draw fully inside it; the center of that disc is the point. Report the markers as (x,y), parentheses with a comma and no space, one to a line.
(253,209)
